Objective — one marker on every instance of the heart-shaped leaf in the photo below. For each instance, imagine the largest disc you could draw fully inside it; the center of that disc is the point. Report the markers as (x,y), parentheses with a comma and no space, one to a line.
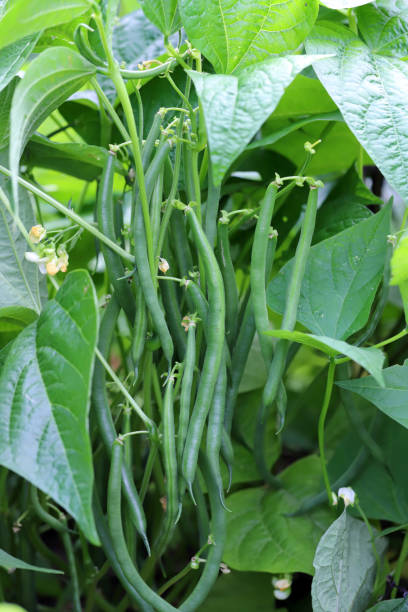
(341,279)
(258,528)
(345,566)
(384,27)
(25,17)
(44,400)
(392,399)
(22,284)
(8,562)
(371,359)
(233,35)
(235,107)
(13,57)
(50,79)
(392,605)
(164,15)
(369,89)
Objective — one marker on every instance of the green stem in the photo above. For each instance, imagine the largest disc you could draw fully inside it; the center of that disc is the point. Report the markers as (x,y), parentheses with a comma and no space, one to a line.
(148,422)
(394,338)
(73,572)
(372,538)
(104,100)
(68,212)
(322,420)
(400,564)
(123,95)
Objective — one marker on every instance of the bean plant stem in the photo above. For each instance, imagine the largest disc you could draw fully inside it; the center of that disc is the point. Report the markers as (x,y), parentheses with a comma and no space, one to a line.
(123,95)
(400,564)
(321,424)
(68,212)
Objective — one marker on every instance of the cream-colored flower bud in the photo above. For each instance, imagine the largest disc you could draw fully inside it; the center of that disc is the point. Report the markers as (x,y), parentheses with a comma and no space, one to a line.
(163,265)
(37,233)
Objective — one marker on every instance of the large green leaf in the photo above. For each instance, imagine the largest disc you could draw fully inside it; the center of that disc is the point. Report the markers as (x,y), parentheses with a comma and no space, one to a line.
(392,605)
(13,57)
(50,79)
(260,535)
(232,590)
(339,5)
(341,279)
(384,27)
(345,567)
(6,99)
(369,89)
(21,281)
(44,400)
(9,562)
(25,17)
(163,13)
(235,107)
(392,399)
(371,359)
(233,35)
(77,159)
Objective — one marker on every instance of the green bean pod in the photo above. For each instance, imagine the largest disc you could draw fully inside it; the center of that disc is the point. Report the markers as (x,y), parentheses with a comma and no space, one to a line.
(214,350)
(231,290)
(186,386)
(215,428)
(149,291)
(288,322)
(118,538)
(180,244)
(218,535)
(173,316)
(258,271)
(104,417)
(153,135)
(106,224)
(170,470)
(211,210)
(110,553)
(139,330)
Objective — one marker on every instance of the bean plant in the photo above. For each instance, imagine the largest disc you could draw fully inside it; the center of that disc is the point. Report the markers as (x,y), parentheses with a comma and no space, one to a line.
(204,292)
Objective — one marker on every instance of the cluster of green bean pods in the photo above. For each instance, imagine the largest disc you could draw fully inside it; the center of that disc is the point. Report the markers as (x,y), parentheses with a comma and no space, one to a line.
(191,322)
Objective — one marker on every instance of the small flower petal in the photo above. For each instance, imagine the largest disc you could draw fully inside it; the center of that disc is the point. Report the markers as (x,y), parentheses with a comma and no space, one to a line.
(348,495)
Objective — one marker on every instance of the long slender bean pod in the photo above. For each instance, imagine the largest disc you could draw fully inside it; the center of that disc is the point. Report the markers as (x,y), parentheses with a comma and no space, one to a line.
(218,536)
(170,469)
(211,210)
(149,291)
(117,536)
(215,428)
(214,351)
(288,322)
(186,384)
(109,551)
(258,271)
(181,245)
(228,274)
(106,224)
(153,135)
(139,330)
(104,416)
(173,316)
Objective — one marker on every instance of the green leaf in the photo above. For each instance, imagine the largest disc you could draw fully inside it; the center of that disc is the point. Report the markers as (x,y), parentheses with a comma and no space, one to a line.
(231,591)
(392,605)
(235,107)
(339,5)
(296,125)
(11,608)
(368,88)
(234,35)
(399,262)
(21,282)
(77,159)
(13,57)
(304,96)
(392,399)
(25,17)
(50,79)
(6,98)
(384,27)
(259,532)
(345,566)
(163,13)
(13,319)
(9,562)
(371,359)
(341,279)
(44,400)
